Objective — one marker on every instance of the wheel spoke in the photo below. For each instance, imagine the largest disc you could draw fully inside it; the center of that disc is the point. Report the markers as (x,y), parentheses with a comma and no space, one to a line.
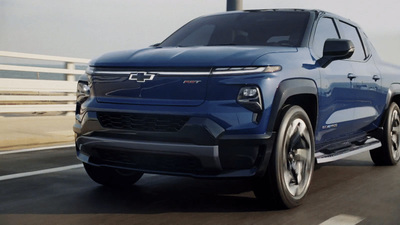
(301,154)
(290,182)
(297,157)
(289,179)
(395,142)
(299,172)
(295,139)
(294,172)
(395,128)
(396,154)
(396,118)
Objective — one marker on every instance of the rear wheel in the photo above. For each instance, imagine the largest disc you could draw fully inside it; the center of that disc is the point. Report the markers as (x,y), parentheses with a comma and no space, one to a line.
(389,153)
(289,173)
(112,177)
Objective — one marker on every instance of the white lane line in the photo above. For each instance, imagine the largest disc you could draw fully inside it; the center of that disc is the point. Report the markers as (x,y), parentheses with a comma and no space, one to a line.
(35,149)
(343,219)
(39,172)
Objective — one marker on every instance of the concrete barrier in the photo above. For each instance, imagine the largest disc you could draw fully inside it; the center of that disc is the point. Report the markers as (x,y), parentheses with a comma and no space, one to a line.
(28,95)
(32,131)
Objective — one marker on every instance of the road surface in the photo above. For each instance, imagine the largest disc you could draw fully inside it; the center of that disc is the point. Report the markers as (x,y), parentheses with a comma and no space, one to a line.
(51,187)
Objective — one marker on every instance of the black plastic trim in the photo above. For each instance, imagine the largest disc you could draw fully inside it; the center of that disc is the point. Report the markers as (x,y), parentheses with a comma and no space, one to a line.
(208,158)
(394,90)
(287,89)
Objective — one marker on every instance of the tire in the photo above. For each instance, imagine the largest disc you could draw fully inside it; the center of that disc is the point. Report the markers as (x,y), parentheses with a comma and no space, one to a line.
(112,177)
(389,153)
(291,166)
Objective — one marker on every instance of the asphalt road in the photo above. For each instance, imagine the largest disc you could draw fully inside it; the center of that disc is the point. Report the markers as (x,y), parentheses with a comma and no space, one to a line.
(50,187)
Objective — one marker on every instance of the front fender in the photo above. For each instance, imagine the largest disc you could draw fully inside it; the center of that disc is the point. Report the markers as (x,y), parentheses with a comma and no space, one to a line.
(289,88)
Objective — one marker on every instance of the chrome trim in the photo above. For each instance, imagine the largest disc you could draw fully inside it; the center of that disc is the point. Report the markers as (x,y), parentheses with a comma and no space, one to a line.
(161,73)
(184,73)
(136,76)
(115,72)
(215,71)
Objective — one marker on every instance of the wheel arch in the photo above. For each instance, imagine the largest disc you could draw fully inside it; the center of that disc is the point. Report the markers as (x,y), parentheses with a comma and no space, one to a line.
(393,95)
(301,92)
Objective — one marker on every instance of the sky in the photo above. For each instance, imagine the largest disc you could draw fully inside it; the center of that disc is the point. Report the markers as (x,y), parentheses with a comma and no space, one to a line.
(89,28)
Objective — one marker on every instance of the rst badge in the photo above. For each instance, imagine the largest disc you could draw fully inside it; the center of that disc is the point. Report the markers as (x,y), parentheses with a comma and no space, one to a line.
(141,77)
(191,81)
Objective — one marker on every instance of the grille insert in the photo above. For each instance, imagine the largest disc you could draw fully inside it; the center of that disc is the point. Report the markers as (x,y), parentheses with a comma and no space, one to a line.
(142,122)
(149,161)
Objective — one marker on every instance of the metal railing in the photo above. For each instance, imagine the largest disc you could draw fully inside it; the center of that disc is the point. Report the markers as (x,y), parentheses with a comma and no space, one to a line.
(30,95)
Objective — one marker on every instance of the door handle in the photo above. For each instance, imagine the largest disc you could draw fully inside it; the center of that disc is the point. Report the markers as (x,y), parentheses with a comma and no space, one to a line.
(351,76)
(376,78)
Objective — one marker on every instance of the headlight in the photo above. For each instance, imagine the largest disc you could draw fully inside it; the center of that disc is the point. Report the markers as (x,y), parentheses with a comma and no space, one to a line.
(250,98)
(82,92)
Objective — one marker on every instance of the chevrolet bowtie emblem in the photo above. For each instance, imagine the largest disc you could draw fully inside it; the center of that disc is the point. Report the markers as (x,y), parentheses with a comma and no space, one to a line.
(141,77)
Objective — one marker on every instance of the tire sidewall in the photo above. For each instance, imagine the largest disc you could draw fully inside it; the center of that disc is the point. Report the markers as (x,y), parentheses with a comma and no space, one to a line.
(387,129)
(290,113)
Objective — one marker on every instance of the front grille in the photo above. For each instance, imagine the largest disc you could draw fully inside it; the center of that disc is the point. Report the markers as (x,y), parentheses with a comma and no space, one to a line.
(142,122)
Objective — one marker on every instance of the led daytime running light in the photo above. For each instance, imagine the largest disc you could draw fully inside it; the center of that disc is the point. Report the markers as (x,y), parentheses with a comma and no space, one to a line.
(245,70)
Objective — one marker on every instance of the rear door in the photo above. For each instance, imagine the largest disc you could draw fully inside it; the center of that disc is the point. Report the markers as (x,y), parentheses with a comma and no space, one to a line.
(366,81)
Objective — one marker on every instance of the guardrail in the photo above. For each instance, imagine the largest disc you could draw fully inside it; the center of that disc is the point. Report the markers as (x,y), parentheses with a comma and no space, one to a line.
(30,95)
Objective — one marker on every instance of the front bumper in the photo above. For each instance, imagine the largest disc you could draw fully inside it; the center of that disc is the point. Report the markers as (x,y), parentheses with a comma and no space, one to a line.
(200,149)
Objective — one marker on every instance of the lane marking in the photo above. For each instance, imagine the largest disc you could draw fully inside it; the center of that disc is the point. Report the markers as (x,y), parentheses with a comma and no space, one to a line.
(343,219)
(40,172)
(35,149)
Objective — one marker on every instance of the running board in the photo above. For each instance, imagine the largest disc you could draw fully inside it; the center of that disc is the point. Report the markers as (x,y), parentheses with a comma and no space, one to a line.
(352,150)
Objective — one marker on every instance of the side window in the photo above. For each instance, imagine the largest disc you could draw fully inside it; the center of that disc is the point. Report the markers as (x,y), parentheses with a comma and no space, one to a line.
(366,44)
(325,29)
(351,33)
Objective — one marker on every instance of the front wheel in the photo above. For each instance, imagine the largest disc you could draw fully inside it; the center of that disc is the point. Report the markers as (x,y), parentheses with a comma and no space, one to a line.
(112,177)
(289,173)
(389,153)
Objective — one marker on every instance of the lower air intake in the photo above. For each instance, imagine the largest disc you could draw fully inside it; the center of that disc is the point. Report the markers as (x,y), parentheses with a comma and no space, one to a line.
(142,122)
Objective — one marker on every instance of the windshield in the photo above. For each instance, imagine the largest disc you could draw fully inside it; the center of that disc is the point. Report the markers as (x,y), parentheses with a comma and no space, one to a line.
(263,28)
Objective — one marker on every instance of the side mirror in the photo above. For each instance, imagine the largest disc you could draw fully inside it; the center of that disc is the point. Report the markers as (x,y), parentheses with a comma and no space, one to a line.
(336,49)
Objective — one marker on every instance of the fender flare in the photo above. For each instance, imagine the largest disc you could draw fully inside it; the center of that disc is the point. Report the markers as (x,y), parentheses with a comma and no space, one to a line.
(393,90)
(285,90)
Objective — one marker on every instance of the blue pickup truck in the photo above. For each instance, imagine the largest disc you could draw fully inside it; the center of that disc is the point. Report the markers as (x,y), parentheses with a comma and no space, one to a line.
(260,94)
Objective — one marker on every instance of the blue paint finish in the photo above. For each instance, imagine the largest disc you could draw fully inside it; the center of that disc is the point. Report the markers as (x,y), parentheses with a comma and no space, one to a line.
(345,110)
(202,56)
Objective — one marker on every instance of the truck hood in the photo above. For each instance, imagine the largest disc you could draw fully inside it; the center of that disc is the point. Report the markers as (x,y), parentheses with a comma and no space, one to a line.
(201,56)
(112,84)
